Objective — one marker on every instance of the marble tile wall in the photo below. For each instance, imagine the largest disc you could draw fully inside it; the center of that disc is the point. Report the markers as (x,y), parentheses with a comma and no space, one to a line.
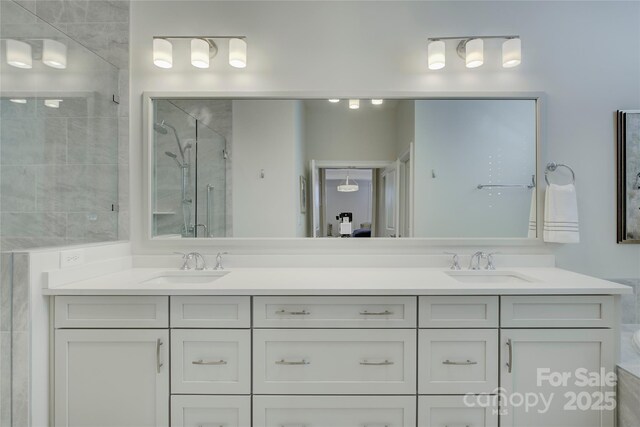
(628,398)
(63,169)
(630,302)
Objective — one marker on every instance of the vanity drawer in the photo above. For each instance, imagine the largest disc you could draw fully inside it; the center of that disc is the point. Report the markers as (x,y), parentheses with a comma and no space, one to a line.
(210,361)
(210,312)
(334,411)
(319,361)
(457,361)
(111,312)
(452,411)
(458,312)
(210,411)
(561,311)
(334,312)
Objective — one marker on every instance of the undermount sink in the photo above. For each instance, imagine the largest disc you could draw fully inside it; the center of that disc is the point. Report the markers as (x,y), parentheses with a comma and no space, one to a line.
(185,277)
(484,276)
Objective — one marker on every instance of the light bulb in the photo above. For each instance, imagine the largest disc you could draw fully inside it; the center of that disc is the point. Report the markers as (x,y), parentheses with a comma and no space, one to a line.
(200,54)
(436,54)
(19,54)
(162,53)
(52,103)
(474,53)
(511,53)
(354,104)
(238,53)
(377,101)
(54,54)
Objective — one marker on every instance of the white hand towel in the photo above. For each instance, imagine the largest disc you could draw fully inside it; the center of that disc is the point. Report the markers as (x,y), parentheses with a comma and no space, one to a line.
(533,225)
(561,214)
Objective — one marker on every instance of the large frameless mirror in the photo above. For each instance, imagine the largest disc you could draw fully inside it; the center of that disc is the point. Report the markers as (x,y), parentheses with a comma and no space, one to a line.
(318,168)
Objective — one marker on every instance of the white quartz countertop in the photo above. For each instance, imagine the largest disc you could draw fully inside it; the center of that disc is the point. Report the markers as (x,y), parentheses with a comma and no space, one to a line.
(340,281)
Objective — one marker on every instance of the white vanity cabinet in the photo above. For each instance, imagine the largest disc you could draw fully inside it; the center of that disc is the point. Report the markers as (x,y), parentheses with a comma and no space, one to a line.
(339,361)
(111,377)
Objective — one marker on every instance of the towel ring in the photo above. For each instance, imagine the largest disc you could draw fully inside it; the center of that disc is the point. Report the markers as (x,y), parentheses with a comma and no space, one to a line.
(552,166)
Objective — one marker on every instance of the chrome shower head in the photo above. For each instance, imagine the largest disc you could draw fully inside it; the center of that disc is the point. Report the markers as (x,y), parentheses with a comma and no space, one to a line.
(174,157)
(160,128)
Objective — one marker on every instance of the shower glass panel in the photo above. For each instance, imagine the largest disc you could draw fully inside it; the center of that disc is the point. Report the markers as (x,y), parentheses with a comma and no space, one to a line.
(189,173)
(58,141)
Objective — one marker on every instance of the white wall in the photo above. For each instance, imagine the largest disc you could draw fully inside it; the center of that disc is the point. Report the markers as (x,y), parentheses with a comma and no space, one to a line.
(334,132)
(585,56)
(264,139)
(466,143)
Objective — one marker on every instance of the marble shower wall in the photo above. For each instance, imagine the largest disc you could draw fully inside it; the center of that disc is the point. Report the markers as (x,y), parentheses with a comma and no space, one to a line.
(65,171)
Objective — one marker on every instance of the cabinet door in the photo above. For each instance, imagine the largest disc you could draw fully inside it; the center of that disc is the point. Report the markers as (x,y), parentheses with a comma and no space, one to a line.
(526,353)
(210,411)
(111,377)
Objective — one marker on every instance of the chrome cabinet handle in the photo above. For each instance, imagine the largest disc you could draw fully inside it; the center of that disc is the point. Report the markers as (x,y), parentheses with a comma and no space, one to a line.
(209,362)
(466,362)
(210,425)
(466,425)
(294,313)
(286,362)
(510,362)
(158,363)
(376,313)
(385,363)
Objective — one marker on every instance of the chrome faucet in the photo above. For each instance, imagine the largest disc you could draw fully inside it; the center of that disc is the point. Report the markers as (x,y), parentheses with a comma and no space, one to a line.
(490,264)
(477,256)
(455,261)
(186,265)
(219,261)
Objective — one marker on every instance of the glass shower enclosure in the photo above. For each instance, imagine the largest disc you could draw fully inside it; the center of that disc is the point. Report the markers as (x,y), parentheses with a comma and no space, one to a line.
(189,171)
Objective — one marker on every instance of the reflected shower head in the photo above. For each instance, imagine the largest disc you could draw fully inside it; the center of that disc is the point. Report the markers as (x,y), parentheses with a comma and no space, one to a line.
(160,128)
(174,157)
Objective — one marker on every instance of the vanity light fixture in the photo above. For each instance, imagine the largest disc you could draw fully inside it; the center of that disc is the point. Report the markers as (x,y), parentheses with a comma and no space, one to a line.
(334,100)
(354,104)
(511,53)
(348,186)
(162,53)
(52,103)
(54,54)
(18,100)
(377,101)
(471,50)
(203,49)
(238,53)
(19,54)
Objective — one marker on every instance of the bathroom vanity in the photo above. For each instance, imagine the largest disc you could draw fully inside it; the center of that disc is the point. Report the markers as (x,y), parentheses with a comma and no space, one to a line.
(331,347)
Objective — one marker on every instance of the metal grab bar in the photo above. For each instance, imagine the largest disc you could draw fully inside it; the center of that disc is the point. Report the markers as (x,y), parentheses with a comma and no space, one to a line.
(209,208)
(529,186)
(466,362)
(209,362)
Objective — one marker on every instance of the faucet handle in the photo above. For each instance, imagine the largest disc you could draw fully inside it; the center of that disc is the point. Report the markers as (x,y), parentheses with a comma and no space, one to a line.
(219,260)
(455,261)
(186,257)
(490,264)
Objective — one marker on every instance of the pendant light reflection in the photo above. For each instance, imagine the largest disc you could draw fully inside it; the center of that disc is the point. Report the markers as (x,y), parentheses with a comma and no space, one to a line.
(511,53)
(377,101)
(334,100)
(52,103)
(348,186)
(162,53)
(18,100)
(54,54)
(354,104)
(238,53)
(474,53)
(19,54)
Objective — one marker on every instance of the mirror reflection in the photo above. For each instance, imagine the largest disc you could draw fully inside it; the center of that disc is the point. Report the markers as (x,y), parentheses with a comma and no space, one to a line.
(440,168)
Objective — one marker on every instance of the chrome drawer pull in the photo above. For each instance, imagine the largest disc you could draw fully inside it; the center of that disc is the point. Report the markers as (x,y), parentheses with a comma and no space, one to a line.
(467,362)
(294,313)
(209,362)
(466,425)
(285,362)
(210,425)
(159,364)
(376,313)
(385,363)
(510,362)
